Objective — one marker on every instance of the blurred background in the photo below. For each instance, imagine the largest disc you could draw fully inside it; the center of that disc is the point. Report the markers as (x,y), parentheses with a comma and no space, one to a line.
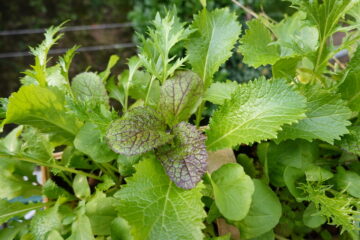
(102,28)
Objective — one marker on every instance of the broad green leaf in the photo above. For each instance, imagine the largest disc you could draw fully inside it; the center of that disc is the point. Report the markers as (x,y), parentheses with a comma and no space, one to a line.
(233,191)
(100,210)
(180,96)
(255,45)
(90,141)
(45,221)
(295,36)
(81,228)
(317,174)
(9,210)
(312,217)
(286,68)
(218,92)
(44,109)
(36,145)
(348,180)
(81,186)
(266,236)
(125,164)
(87,86)
(299,154)
(13,185)
(139,131)
(120,229)
(54,235)
(211,44)
(351,142)
(185,159)
(11,232)
(292,178)
(255,112)
(350,88)
(264,214)
(326,118)
(162,210)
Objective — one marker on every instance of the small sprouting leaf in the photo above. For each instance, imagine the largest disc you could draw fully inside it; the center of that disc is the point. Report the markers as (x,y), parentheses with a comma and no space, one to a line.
(81,186)
(87,86)
(255,112)
(326,118)
(218,92)
(139,131)
(233,190)
(157,209)
(180,96)
(255,45)
(89,140)
(185,160)
(210,46)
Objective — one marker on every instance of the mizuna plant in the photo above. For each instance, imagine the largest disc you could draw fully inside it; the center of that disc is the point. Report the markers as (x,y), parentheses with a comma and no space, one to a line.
(155,167)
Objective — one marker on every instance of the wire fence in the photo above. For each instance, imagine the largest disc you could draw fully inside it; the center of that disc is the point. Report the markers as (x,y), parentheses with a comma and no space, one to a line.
(68,29)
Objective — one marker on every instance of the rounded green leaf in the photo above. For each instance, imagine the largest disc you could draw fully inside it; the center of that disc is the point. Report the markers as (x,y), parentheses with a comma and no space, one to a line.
(233,190)
(264,213)
(120,229)
(81,186)
(312,218)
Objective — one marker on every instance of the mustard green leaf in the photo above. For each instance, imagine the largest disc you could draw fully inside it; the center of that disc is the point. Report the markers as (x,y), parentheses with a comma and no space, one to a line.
(120,229)
(326,118)
(139,131)
(264,214)
(162,211)
(185,161)
(81,228)
(233,191)
(351,142)
(44,109)
(256,111)
(90,141)
(45,221)
(180,96)
(255,45)
(218,92)
(211,44)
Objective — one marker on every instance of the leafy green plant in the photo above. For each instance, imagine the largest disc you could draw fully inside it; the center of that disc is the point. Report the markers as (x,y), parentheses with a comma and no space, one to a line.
(156,167)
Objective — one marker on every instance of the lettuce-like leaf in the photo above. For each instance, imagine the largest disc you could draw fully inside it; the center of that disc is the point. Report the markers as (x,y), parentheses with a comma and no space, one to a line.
(255,112)
(210,46)
(9,210)
(180,96)
(184,160)
(326,118)
(42,108)
(255,45)
(162,210)
(139,131)
(218,92)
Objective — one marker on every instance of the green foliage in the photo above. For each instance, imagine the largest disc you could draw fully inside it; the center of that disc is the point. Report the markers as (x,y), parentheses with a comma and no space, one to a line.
(255,112)
(137,168)
(162,207)
(210,45)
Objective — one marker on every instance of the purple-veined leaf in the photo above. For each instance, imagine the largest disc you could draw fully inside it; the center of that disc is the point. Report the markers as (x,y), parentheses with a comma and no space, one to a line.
(185,161)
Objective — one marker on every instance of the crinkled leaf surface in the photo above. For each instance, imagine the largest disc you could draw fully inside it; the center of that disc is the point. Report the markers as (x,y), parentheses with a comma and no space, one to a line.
(88,86)
(210,46)
(326,118)
(90,141)
(45,221)
(233,191)
(180,96)
(255,112)
(350,88)
(351,142)
(162,210)
(218,92)
(264,214)
(9,210)
(185,160)
(255,45)
(42,108)
(139,131)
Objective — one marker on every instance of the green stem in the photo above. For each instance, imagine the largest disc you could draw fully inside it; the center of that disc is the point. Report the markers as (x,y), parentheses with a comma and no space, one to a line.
(45,164)
(66,178)
(199,113)
(149,89)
